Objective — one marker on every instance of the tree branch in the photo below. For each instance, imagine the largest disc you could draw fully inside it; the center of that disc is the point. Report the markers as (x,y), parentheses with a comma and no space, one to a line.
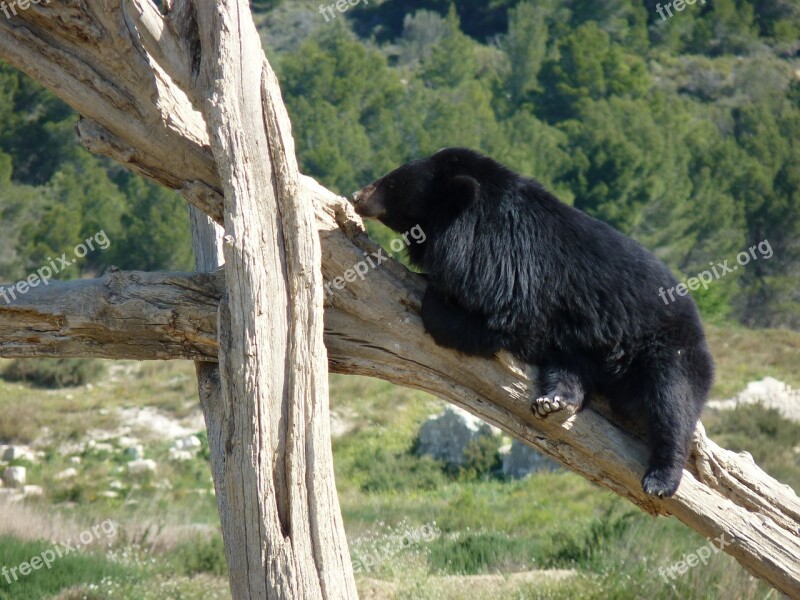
(132,315)
(94,58)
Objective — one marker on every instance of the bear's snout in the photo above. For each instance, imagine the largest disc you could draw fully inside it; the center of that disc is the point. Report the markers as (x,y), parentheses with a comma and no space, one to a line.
(368,202)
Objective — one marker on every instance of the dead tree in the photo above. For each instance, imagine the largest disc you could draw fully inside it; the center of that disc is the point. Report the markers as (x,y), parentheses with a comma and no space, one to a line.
(187,99)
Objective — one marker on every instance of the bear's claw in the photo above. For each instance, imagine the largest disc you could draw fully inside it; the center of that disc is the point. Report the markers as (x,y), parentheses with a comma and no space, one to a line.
(544,407)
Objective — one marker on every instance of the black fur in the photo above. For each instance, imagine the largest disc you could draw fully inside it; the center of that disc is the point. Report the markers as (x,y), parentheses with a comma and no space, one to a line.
(512,267)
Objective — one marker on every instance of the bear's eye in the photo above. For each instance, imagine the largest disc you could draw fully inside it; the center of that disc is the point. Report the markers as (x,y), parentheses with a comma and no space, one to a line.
(391,185)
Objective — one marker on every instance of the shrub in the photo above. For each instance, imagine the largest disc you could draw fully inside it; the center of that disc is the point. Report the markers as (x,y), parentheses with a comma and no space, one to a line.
(54,373)
(475,553)
(386,470)
(201,555)
(584,547)
(67,571)
(482,456)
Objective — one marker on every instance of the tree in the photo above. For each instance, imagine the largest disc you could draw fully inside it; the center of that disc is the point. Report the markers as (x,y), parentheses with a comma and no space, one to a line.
(199,127)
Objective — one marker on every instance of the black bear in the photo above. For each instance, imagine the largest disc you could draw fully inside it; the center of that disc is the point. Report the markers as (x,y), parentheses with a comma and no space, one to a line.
(511,267)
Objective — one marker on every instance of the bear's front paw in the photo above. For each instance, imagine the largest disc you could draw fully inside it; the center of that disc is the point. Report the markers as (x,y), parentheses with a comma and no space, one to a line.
(662,482)
(557,406)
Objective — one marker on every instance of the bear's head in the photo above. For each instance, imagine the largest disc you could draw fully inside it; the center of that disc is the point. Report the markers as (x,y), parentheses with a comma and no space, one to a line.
(427,192)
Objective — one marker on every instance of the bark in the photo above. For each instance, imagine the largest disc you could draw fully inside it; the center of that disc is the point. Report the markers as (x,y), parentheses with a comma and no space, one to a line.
(373,328)
(132,315)
(131,74)
(274,462)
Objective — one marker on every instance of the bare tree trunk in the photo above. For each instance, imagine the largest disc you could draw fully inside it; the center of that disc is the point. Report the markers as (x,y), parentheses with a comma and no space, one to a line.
(135,77)
(284,535)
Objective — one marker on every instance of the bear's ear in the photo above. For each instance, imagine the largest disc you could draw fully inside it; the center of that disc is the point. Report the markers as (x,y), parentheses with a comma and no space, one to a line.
(464,190)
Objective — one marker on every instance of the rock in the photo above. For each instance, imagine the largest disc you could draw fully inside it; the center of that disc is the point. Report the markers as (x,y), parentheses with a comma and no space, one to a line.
(191,442)
(141,467)
(769,392)
(127,441)
(520,460)
(103,447)
(108,494)
(185,449)
(177,455)
(33,491)
(11,453)
(75,460)
(15,477)
(116,485)
(135,452)
(70,473)
(445,437)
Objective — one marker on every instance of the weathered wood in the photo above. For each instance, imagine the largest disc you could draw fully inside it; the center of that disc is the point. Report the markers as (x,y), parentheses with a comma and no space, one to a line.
(92,55)
(373,328)
(276,461)
(134,315)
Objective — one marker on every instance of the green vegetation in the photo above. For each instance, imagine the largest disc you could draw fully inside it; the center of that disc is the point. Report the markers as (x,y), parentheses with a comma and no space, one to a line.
(63,573)
(416,530)
(53,372)
(683,133)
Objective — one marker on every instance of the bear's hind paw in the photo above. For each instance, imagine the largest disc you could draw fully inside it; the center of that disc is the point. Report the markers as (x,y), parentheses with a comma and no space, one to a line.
(557,406)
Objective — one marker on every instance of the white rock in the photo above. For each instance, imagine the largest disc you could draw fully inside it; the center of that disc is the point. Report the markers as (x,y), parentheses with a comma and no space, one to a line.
(108,494)
(127,441)
(180,455)
(446,436)
(192,443)
(70,473)
(103,447)
(15,477)
(75,460)
(771,393)
(115,485)
(17,453)
(141,467)
(33,491)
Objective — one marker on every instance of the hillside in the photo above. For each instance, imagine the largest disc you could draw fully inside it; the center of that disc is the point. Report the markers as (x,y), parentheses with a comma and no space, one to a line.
(415,529)
(681,128)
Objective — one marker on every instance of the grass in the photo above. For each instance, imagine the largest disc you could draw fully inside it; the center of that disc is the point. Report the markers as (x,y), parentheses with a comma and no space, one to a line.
(552,535)
(65,572)
(744,355)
